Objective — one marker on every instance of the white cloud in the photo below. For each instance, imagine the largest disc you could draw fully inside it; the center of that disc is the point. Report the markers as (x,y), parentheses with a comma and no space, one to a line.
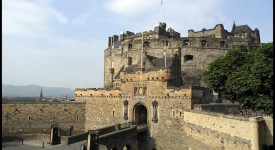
(130,7)
(29,18)
(181,15)
(85,16)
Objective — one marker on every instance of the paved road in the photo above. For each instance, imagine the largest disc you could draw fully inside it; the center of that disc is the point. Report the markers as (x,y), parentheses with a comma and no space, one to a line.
(37,145)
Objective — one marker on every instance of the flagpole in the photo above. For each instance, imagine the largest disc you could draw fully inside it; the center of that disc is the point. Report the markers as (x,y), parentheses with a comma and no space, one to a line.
(141,50)
(165,58)
(161,11)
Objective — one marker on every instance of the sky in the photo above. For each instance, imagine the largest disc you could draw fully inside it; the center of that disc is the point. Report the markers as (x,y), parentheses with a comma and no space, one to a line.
(61,43)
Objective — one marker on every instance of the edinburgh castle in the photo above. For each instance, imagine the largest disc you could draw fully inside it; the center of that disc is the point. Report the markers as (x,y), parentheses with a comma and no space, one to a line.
(154,97)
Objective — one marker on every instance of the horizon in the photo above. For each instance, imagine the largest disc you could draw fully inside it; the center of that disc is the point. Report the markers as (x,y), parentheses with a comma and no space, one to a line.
(61,43)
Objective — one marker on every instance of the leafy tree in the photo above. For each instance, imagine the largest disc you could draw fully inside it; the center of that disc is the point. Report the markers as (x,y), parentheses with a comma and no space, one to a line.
(244,76)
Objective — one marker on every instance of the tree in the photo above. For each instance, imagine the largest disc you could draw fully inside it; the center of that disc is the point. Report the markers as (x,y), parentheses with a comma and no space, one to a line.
(244,76)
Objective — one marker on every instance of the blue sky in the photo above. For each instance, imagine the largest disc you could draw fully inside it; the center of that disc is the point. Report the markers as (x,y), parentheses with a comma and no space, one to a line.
(60,43)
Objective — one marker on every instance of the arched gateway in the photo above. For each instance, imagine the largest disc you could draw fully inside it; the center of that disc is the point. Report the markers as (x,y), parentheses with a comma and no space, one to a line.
(140,114)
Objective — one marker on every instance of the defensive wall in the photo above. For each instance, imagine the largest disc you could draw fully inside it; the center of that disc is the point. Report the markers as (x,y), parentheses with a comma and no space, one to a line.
(228,132)
(176,128)
(37,117)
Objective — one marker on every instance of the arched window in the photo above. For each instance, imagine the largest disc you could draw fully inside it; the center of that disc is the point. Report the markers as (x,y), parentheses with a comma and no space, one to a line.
(125,117)
(130,46)
(188,58)
(155,111)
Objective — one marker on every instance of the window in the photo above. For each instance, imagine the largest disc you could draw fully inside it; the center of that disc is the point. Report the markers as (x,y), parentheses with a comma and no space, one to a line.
(186,42)
(129,46)
(188,58)
(203,43)
(167,43)
(125,103)
(146,44)
(155,111)
(222,44)
(129,60)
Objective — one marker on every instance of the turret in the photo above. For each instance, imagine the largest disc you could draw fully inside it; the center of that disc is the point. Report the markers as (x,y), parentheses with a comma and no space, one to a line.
(112,40)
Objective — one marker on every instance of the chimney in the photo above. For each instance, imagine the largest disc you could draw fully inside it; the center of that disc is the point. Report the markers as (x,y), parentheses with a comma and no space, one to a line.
(109,41)
(115,38)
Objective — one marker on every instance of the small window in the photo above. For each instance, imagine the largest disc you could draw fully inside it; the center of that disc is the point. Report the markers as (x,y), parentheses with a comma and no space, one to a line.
(203,43)
(222,44)
(130,46)
(146,44)
(129,60)
(167,43)
(188,58)
(186,42)
(155,111)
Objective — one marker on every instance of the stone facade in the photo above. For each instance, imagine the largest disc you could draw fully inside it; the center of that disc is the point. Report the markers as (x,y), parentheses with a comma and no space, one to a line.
(195,51)
(154,76)
(29,118)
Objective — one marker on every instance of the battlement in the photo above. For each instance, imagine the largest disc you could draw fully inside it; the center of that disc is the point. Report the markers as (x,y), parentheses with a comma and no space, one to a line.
(97,92)
(158,75)
(158,32)
(217,32)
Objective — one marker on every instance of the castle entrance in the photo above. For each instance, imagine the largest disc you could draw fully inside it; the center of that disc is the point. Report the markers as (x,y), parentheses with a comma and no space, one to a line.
(140,114)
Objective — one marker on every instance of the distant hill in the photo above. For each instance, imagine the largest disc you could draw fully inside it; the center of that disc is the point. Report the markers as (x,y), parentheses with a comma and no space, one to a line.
(34,91)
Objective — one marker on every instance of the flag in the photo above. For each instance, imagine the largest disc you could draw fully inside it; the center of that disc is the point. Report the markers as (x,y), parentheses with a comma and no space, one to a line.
(161,2)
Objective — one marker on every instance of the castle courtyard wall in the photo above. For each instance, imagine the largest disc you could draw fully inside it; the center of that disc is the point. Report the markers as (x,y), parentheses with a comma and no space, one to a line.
(227,132)
(37,117)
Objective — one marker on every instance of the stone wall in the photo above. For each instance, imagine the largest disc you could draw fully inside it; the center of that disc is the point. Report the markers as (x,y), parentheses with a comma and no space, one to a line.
(33,118)
(219,108)
(217,32)
(225,132)
(268,139)
(192,69)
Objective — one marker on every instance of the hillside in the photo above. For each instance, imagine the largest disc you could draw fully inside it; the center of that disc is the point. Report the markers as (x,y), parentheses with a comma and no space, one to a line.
(34,91)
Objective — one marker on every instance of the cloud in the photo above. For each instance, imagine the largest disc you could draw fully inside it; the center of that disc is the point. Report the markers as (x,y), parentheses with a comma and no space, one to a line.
(29,18)
(130,7)
(181,15)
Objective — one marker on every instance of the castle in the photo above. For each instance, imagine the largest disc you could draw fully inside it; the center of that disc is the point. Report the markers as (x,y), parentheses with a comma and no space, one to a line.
(153,80)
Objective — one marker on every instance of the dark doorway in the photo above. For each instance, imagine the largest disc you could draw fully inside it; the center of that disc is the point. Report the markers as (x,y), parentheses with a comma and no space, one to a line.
(140,114)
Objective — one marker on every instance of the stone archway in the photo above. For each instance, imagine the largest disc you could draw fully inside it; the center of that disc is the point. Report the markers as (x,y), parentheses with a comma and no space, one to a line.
(140,114)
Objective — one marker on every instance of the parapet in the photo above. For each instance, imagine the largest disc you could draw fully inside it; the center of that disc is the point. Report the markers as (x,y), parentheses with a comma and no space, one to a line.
(217,32)
(158,75)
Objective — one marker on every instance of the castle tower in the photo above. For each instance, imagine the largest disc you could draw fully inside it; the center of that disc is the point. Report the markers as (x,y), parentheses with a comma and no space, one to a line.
(41,95)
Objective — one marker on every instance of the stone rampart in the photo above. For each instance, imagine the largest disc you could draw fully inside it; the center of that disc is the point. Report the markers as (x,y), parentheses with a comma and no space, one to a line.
(224,108)
(162,74)
(36,118)
(224,131)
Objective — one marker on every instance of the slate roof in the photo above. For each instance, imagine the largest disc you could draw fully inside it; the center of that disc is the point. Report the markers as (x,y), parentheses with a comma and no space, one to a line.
(242,28)
(151,63)
(159,62)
